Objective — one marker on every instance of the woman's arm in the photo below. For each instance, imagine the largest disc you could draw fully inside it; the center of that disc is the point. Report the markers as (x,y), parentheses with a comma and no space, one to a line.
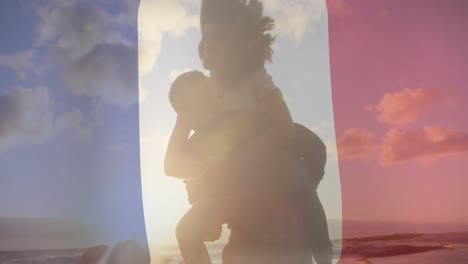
(178,162)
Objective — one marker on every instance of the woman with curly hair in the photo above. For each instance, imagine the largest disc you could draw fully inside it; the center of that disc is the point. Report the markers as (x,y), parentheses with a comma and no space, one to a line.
(263,191)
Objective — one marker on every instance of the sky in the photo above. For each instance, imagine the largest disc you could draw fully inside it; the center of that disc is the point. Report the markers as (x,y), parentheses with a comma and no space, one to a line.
(69,134)
(300,69)
(399,84)
(84,109)
(85,117)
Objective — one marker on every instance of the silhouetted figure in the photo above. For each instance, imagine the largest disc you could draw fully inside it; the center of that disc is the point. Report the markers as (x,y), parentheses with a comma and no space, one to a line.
(189,92)
(313,152)
(234,44)
(213,205)
(262,190)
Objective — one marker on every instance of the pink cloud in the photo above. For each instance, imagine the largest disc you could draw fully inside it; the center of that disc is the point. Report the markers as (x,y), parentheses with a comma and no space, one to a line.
(429,143)
(406,106)
(355,143)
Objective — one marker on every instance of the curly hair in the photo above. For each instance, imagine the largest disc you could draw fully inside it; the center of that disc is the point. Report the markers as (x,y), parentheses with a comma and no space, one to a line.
(250,42)
(256,26)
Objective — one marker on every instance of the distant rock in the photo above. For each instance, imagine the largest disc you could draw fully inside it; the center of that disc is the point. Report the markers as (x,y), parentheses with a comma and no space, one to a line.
(128,252)
(396,236)
(93,255)
(355,260)
(372,251)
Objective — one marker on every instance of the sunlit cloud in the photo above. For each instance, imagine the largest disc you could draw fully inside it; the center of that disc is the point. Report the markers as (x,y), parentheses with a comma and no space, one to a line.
(293,18)
(406,106)
(427,144)
(356,143)
(332,151)
(156,19)
(322,128)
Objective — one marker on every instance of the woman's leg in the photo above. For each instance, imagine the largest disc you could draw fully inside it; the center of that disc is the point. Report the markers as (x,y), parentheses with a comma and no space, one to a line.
(315,223)
(321,246)
(199,224)
(312,214)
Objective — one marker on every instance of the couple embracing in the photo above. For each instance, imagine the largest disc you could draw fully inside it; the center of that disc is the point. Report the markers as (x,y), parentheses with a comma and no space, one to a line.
(247,164)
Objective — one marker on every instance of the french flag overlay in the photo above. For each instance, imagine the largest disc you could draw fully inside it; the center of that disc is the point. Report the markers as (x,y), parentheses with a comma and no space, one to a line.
(85,120)
(69,133)
(398,75)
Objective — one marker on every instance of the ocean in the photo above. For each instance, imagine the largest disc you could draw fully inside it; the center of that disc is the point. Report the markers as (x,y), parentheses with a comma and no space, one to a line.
(409,248)
(68,256)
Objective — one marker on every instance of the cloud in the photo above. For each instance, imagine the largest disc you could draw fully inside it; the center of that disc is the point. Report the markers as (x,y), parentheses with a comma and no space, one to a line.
(293,17)
(80,126)
(356,143)
(108,72)
(322,127)
(332,151)
(406,106)
(429,143)
(22,63)
(157,18)
(76,27)
(26,118)
(97,60)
